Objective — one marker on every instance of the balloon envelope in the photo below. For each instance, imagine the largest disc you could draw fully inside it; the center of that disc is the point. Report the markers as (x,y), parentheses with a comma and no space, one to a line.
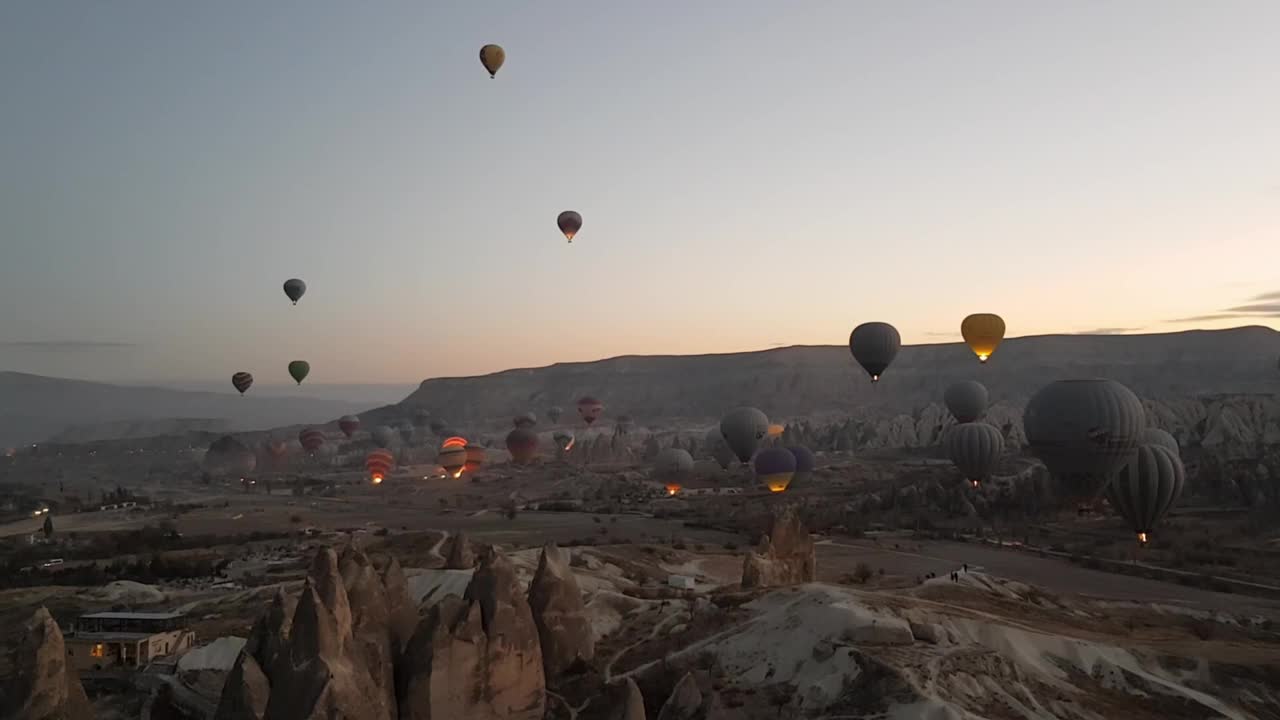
(983,333)
(775,467)
(453,459)
(975,448)
(718,448)
(589,409)
(1156,436)
(299,369)
(383,436)
(476,455)
(311,439)
(554,413)
(805,462)
(522,443)
(874,345)
(294,289)
(525,420)
(241,381)
(569,223)
(1085,431)
(1144,490)
(967,400)
(492,57)
(378,463)
(348,424)
(563,439)
(742,429)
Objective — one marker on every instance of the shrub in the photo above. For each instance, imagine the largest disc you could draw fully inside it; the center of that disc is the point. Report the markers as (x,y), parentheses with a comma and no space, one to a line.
(295,518)
(862,573)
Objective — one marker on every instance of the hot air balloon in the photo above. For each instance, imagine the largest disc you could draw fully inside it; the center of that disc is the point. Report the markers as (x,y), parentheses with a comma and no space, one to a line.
(277,448)
(672,466)
(967,400)
(492,57)
(1085,431)
(775,467)
(563,439)
(983,333)
(379,463)
(406,432)
(623,425)
(228,457)
(743,428)
(299,369)
(454,441)
(525,420)
(241,381)
(438,427)
(554,413)
(522,443)
(453,459)
(383,436)
(475,458)
(874,345)
(805,462)
(1144,490)
(1156,436)
(421,418)
(718,448)
(348,424)
(776,430)
(311,439)
(569,223)
(294,289)
(975,448)
(589,409)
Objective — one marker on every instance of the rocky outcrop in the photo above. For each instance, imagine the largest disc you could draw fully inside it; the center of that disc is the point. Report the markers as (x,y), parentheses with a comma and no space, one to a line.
(688,701)
(44,686)
(476,657)
(245,692)
(564,630)
(784,557)
(401,611)
(630,704)
(461,556)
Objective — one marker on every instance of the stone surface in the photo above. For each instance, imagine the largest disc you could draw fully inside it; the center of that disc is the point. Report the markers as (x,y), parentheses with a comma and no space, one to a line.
(461,555)
(43,686)
(564,629)
(785,556)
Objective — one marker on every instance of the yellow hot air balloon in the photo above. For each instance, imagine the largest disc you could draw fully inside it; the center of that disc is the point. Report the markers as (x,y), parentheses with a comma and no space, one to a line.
(492,57)
(983,332)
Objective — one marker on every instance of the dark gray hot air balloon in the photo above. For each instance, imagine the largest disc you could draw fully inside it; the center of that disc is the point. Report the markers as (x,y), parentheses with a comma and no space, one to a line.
(383,436)
(421,418)
(569,222)
(975,448)
(718,448)
(554,413)
(438,427)
(294,289)
(525,420)
(406,432)
(743,429)
(672,467)
(967,400)
(1144,490)
(874,345)
(1156,436)
(563,440)
(805,462)
(1085,431)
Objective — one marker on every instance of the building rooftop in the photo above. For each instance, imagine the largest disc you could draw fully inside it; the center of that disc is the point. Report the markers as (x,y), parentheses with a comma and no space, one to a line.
(170,615)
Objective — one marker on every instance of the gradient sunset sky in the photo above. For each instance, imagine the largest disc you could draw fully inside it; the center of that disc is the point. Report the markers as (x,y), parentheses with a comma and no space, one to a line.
(751,173)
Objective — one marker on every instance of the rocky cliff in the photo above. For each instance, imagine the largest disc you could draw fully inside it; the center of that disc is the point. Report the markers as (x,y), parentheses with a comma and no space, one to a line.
(786,556)
(564,628)
(43,686)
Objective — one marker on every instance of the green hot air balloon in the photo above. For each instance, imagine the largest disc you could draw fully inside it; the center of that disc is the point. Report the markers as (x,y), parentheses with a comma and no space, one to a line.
(299,369)
(1144,490)
(1084,430)
(975,448)
(743,429)
(874,345)
(967,400)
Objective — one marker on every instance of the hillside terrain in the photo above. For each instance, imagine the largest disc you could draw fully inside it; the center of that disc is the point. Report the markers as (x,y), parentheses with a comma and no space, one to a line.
(34,408)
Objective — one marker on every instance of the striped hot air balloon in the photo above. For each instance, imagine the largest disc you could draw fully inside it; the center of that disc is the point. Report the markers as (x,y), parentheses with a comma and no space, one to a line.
(475,458)
(277,448)
(241,381)
(453,458)
(455,441)
(589,409)
(379,463)
(522,443)
(311,439)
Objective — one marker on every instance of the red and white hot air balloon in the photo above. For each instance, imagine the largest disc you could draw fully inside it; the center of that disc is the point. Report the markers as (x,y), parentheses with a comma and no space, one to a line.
(379,463)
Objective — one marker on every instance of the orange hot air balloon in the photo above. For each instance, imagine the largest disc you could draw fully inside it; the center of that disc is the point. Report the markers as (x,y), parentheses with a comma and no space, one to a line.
(379,463)
(475,458)
(983,333)
(453,459)
(454,441)
(775,430)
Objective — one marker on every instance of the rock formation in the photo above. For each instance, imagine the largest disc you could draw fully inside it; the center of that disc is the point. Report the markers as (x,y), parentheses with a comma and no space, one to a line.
(784,557)
(690,702)
(349,649)
(43,686)
(564,630)
(477,657)
(630,705)
(461,556)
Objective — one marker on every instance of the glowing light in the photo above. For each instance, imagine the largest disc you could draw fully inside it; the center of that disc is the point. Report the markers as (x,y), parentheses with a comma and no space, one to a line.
(376,478)
(672,489)
(457,474)
(982,357)
(1142,538)
(778,486)
(974,483)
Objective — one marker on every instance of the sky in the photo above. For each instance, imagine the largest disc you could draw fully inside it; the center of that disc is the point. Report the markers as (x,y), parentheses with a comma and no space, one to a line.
(750,175)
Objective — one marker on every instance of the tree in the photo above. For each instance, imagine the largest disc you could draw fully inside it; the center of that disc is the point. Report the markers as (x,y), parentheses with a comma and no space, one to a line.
(48,526)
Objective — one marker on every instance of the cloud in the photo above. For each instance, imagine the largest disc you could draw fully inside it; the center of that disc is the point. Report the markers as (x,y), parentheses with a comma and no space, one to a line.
(949,333)
(1266,296)
(1272,308)
(1206,318)
(65,345)
(1110,331)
